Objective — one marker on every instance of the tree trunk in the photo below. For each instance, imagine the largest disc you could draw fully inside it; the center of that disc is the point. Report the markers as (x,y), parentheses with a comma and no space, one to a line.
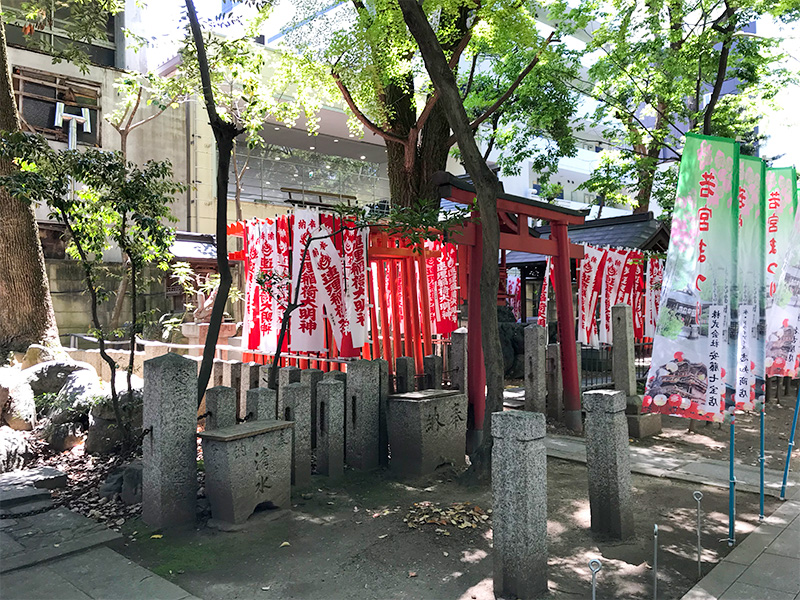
(26,309)
(487,187)
(224,134)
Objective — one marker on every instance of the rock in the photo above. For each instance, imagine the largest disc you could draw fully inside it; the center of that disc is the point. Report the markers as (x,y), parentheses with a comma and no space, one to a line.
(103,407)
(49,377)
(80,391)
(63,436)
(103,437)
(37,353)
(112,485)
(517,370)
(16,400)
(15,451)
(132,483)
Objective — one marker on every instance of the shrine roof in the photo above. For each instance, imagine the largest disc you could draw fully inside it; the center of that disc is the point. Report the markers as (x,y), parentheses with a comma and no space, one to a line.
(642,232)
(194,246)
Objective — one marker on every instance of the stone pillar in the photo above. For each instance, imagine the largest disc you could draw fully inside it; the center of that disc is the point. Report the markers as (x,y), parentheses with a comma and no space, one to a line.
(362,408)
(221,404)
(535,362)
(434,366)
(232,374)
(555,387)
(330,427)
(608,464)
(623,370)
(296,399)
(286,375)
(250,373)
(216,372)
(383,431)
(169,450)
(519,517)
(623,367)
(311,377)
(262,404)
(458,359)
(405,375)
(264,371)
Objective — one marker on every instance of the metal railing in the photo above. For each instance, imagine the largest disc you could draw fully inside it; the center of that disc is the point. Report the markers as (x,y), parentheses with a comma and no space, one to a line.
(596,365)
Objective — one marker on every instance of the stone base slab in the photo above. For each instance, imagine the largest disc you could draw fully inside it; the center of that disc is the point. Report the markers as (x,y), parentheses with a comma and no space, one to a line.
(644,425)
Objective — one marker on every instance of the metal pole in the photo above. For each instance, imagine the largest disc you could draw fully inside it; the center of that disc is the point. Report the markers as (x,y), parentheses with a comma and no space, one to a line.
(791,445)
(594,566)
(732,492)
(761,461)
(698,496)
(655,562)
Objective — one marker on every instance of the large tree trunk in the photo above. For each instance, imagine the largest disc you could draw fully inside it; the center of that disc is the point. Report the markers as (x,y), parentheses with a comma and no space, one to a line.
(487,187)
(26,309)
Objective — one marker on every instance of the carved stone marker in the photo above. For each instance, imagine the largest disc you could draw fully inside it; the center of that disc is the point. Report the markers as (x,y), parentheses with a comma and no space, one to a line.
(330,427)
(535,363)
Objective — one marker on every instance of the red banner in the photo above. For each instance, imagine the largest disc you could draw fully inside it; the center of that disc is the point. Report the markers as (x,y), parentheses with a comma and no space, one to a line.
(591,284)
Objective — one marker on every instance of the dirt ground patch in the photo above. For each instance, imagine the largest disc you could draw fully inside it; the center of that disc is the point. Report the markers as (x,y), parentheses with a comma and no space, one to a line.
(350,541)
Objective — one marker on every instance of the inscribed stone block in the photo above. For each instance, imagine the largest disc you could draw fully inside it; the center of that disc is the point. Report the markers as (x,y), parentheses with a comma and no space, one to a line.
(383,435)
(330,427)
(247,465)
(405,375)
(427,429)
(362,415)
(232,374)
(286,375)
(535,368)
(169,450)
(216,372)
(519,517)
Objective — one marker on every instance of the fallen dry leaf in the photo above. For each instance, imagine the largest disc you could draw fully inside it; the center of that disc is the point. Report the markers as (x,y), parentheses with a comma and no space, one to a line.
(285,544)
(412,573)
(157,536)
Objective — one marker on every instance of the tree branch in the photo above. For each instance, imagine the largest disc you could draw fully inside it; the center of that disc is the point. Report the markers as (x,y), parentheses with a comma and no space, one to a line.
(511,89)
(361,116)
(471,76)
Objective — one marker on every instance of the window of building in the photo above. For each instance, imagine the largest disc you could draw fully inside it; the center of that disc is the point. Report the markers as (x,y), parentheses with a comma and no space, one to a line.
(37,94)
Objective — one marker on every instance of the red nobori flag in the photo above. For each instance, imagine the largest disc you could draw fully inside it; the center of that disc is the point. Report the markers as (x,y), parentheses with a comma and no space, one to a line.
(612,279)
(329,271)
(591,284)
(306,329)
(355,265)
(253,246)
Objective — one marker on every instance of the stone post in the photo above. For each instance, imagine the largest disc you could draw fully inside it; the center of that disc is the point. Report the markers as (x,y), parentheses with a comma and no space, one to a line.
(169,450)
(264,371)
(405,375)
(216,372)
(519,518)
(434,366)
(608,464)
(296,399)
(458,359)
(330,427)
(535,361)
(250,376)
(232,375)
(555,387)
(362,408)
(286,375)
(311,377)
(623,366)
(623,371)
(383,430)
(262,404)
(221,404)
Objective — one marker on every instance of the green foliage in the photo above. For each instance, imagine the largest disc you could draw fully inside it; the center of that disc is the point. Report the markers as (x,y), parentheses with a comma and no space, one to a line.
(670,325)
(654,65)
(81,21)
(116,202)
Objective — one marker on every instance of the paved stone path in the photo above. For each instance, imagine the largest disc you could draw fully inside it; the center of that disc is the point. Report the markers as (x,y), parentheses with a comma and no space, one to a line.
(58,554)
(766,565)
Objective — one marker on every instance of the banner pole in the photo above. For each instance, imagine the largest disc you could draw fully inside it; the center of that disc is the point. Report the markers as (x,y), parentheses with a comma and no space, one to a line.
(791,445)
(732,492)
(761,466)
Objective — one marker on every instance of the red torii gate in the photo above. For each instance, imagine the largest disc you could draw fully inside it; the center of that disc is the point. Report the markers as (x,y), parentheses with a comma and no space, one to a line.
(513,213)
